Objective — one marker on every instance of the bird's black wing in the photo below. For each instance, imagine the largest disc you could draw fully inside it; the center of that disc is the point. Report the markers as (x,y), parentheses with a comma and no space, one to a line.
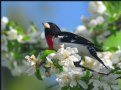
(68,37)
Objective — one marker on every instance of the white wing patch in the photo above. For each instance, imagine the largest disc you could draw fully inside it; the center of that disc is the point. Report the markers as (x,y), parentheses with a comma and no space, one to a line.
(72,40)
(60,36)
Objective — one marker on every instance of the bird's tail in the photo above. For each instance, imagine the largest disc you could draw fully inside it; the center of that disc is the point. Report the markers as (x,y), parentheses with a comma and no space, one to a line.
(92,51)
(101,61)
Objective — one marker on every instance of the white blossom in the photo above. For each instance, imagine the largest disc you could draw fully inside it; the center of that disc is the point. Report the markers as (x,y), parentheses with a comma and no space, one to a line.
(4,43)
(95,64)
(67,54)
(111,58)
(93,7)
(101,8)
(82,31)
(71,75)
(49,59)
(31,59)
(96,21)
(119,65)
(108,58)
(19,38)
(63,79)
(102,37)
(4,22)
(91,63)
(100,19)
(97,7)
(116,58)
(84,19)
(12,34)
(34,37)
(108,82)
(76,74)
(93,23)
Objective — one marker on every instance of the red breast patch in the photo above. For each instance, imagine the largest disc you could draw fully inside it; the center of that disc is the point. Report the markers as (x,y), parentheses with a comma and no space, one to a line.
(49,41)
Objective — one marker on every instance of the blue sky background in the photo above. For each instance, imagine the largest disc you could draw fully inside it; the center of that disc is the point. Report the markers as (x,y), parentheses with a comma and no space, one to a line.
(64,14)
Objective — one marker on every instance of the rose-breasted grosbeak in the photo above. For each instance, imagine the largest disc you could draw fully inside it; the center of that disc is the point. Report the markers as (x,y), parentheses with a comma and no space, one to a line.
(55,38)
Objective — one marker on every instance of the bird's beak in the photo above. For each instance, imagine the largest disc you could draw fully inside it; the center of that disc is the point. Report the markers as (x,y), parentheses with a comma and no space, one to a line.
(46,25)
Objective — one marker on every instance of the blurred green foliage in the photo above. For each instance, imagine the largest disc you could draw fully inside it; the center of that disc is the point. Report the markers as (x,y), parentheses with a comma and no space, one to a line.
(113,41)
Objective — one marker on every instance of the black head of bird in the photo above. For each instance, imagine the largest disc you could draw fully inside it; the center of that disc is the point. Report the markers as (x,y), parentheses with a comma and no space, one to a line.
(51,28)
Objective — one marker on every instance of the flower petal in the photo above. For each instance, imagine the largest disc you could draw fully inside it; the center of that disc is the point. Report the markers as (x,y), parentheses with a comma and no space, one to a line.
(83,84)
(73,83)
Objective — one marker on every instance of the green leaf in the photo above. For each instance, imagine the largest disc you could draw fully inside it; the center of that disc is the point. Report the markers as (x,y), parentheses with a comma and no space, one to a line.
(86,77)
(76,88)
(57,65)
(10,45)
(33,27)
(72,88)
(113,10)
(10,24)
(112,29)
(46,52)
(112,49)
(19,30)
(17,56)
(37,74)
(119,82)
(26,37)
(113,41)
(64,88)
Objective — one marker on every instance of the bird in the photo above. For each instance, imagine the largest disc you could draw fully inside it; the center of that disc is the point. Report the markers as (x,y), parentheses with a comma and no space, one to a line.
(55,37)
